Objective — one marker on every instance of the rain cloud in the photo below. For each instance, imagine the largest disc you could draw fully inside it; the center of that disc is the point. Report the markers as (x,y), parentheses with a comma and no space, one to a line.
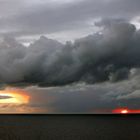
(108,55)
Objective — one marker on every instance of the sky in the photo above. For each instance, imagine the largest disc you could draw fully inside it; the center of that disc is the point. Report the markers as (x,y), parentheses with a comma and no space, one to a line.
(68,56)
(60,19)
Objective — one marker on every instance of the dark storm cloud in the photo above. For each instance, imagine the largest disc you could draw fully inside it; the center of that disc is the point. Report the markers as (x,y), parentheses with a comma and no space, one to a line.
(106,56)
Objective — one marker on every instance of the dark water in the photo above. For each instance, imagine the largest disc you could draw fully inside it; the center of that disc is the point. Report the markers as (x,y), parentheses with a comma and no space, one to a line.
(69,127)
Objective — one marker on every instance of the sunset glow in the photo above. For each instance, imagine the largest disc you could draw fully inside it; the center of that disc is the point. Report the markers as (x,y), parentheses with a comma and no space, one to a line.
(9,96)
(126,111)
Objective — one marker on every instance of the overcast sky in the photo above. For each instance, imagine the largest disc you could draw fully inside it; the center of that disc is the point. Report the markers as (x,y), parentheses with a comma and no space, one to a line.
(61,19)
(96,73)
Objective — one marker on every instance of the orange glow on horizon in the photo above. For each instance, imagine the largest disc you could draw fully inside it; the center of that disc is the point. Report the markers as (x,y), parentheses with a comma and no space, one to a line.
(13,96)
(126,111)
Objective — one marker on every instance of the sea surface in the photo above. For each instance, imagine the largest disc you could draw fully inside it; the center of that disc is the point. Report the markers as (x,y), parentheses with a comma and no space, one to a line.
(69,127)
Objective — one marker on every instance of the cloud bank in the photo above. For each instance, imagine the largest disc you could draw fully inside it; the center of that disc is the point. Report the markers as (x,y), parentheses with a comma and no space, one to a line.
(109,55)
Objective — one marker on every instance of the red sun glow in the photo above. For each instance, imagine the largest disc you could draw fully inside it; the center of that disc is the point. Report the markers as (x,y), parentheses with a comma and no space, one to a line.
(126,111)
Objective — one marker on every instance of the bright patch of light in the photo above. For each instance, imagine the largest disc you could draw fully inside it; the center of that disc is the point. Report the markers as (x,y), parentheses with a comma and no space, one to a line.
(13,97)
(136,22)
(125,111)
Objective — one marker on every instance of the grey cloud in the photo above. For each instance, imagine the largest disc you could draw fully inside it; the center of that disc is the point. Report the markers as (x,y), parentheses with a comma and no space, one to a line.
(68,99)
(50,18)
(130,96)
(107,56)
(83,98)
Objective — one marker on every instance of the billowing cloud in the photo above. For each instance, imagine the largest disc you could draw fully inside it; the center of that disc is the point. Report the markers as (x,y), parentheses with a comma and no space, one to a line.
(109,55)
